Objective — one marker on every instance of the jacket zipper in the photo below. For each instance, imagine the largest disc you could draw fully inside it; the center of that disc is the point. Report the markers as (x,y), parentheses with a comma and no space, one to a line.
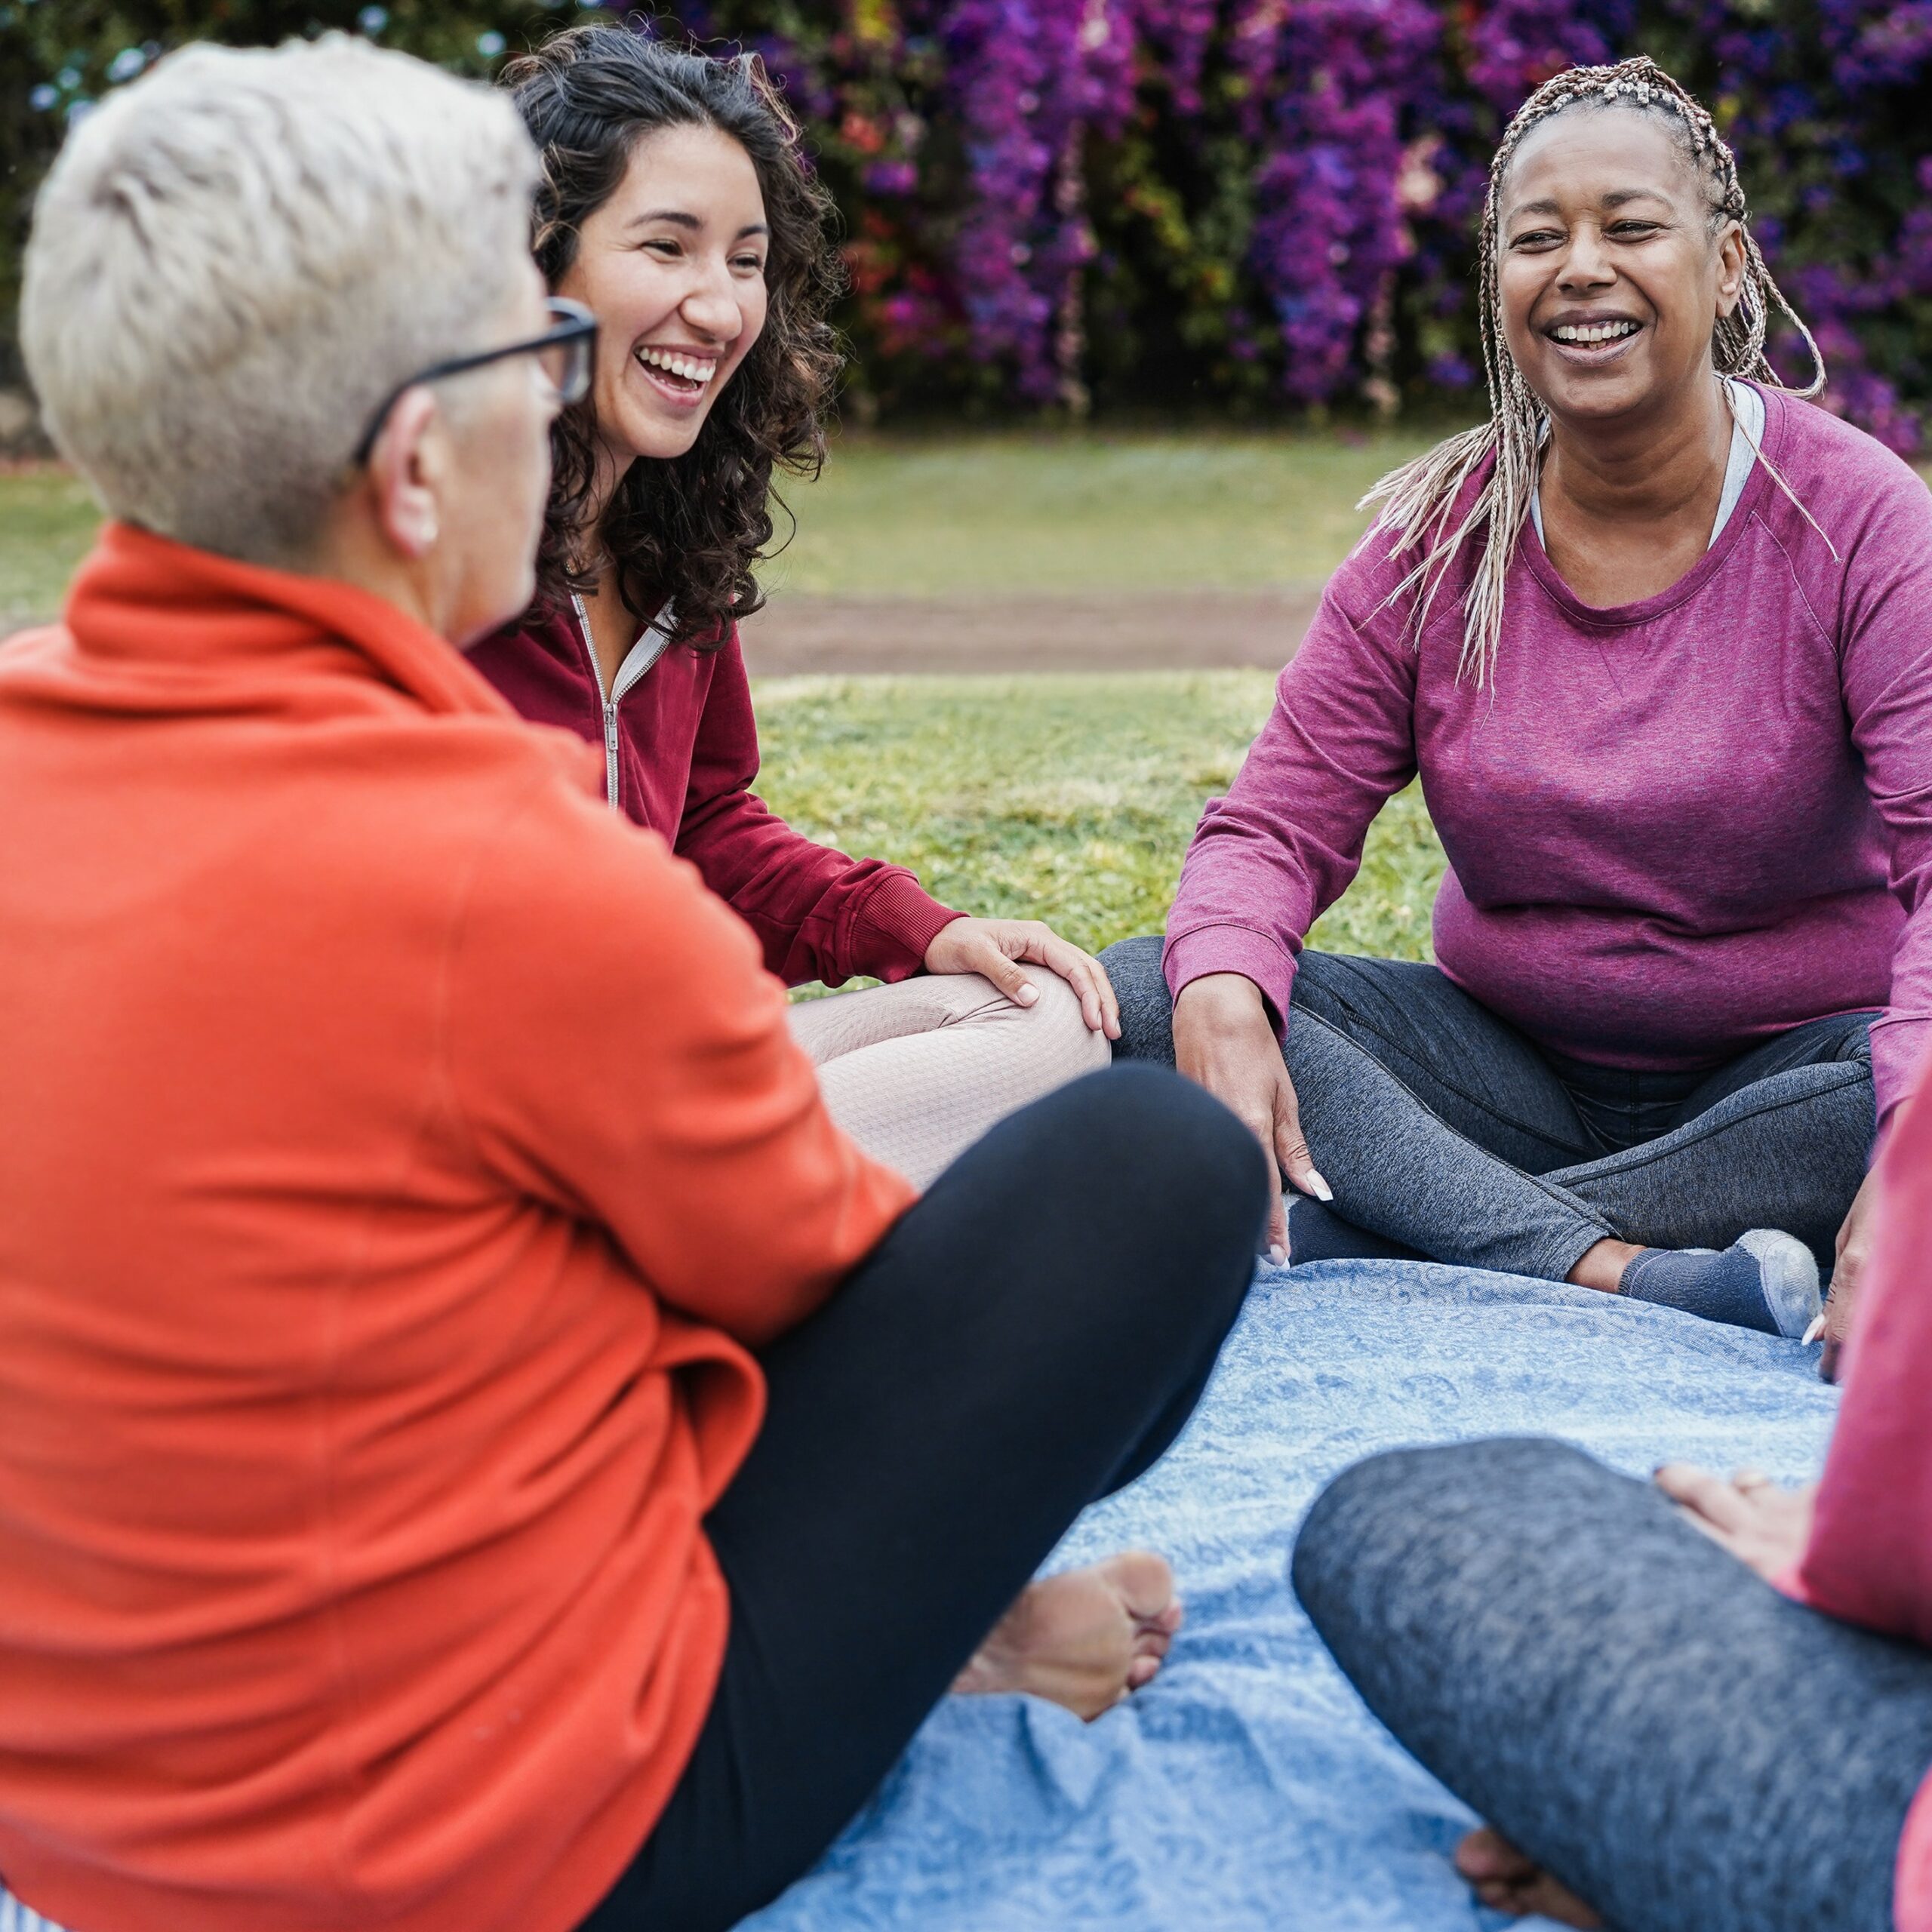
(638,661)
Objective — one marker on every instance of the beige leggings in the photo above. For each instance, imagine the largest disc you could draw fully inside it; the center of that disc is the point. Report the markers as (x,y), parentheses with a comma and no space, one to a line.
(916,1072)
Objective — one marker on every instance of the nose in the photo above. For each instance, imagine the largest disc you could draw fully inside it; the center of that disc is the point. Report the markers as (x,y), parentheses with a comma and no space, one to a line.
(710,304)
(1586,263)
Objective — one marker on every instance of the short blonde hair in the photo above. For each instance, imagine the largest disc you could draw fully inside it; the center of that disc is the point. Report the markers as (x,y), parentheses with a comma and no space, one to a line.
(236,259)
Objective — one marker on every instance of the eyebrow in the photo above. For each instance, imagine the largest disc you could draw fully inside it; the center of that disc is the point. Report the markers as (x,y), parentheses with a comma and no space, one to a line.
(679,218)
(1617,199)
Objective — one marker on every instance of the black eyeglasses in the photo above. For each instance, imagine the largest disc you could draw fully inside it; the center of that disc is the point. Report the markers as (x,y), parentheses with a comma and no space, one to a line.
(565,349)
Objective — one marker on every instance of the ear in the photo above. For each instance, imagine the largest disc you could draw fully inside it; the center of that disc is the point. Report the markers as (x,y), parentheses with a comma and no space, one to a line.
(1731,266)
(406,472)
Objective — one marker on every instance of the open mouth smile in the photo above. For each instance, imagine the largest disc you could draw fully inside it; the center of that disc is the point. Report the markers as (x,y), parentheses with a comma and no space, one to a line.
(1595,341)
(685,376)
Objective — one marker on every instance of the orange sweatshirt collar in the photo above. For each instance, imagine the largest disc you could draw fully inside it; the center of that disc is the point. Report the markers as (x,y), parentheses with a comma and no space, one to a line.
(139,596)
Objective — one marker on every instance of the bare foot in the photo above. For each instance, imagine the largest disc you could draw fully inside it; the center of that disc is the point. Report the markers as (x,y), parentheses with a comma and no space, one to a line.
(1505,1880)
(1085,1638)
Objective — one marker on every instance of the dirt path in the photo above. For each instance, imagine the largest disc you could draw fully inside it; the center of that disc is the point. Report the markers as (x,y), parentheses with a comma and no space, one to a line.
(1171,630)
(1181,630)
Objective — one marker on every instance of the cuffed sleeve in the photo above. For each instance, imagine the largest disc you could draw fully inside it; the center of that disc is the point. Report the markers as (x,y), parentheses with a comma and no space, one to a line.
(894,925)
(1257,956)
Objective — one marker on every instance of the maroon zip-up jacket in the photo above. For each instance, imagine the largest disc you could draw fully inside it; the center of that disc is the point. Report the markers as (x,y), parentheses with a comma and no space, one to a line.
(680,754)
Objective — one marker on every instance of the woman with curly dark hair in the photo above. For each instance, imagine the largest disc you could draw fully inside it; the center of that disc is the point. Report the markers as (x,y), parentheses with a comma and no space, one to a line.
(675,205)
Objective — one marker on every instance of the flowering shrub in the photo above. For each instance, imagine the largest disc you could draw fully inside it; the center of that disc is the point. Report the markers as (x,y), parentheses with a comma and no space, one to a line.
(1233,202)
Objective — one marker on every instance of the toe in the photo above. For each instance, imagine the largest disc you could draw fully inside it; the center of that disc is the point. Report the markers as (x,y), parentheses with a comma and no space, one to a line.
(1504,1880)
(1144,1582)
(1487,1857)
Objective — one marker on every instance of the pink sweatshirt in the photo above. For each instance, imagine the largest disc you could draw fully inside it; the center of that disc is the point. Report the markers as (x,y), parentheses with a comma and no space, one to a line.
(1674,828)
(1870,1559)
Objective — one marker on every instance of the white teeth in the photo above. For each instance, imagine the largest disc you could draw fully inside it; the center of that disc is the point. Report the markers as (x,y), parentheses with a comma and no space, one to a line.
(687,366)
(1592,332)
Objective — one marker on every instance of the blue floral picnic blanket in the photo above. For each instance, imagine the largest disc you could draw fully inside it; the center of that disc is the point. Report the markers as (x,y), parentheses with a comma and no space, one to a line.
(1248,1788)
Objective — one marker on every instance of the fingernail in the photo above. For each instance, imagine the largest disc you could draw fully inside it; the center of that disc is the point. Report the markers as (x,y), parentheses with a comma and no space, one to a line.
(1812,1334)
(1276,1253)
(1027,993)
(1317,1187)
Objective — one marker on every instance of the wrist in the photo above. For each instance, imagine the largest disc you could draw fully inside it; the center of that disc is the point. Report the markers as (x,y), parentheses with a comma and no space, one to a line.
(1226,996)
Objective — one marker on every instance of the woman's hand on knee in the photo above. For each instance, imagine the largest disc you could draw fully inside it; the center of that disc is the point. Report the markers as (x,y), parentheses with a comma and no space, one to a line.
(1225,1041)
(993,949)
(1762,1524)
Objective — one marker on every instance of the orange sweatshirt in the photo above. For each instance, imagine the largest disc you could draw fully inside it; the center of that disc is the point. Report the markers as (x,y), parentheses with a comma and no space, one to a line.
(398,1155)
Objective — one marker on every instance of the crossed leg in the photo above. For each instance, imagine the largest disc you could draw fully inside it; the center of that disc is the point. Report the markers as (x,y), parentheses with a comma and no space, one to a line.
(916,1071)
(1029,1336)
(1638,1716)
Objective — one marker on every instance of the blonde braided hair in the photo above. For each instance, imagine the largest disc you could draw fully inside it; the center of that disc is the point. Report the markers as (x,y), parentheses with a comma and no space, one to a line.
(1419,499)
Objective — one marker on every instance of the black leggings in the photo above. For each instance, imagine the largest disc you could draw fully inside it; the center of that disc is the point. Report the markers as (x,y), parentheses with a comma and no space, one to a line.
(1028,1337)
(1685,1748)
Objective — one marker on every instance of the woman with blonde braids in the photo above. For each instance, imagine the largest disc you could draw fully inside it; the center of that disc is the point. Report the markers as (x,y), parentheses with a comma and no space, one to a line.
(1657,639)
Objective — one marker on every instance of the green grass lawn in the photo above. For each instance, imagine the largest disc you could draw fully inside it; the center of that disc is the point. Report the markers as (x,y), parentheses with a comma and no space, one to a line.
(47,521)
(943,517)
(1078,513)
(1069,798)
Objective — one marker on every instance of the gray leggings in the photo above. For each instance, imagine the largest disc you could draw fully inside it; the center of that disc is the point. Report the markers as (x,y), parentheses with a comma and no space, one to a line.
(1443,1128)
(1685,1748)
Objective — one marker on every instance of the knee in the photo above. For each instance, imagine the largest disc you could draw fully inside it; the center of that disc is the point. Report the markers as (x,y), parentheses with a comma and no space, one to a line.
(1061,1045)
(1419,1512)
(1351,1520)
(1146,1007)
(1170,1152)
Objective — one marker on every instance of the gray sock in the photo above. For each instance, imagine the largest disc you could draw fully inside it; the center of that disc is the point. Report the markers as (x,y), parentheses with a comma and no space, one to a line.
(1765,1280)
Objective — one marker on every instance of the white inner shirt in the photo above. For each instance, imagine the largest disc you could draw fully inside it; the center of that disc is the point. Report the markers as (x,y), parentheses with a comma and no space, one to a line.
(1747,428)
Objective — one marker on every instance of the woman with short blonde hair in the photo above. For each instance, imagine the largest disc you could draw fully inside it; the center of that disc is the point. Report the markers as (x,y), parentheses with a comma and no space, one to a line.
(470,1412)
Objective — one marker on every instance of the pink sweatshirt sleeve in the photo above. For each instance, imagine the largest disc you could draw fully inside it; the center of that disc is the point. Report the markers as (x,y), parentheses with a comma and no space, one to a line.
(1869,1557)
(1268,860)
(1885,633)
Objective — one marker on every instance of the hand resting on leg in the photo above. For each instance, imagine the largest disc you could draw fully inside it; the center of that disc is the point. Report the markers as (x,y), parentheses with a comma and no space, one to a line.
(1225,1041)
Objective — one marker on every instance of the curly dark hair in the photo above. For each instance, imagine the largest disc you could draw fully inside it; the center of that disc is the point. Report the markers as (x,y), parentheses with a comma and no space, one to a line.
(688,529)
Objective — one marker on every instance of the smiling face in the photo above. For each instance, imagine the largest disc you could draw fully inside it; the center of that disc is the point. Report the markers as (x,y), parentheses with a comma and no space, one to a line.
(1611,273)
(672,266)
